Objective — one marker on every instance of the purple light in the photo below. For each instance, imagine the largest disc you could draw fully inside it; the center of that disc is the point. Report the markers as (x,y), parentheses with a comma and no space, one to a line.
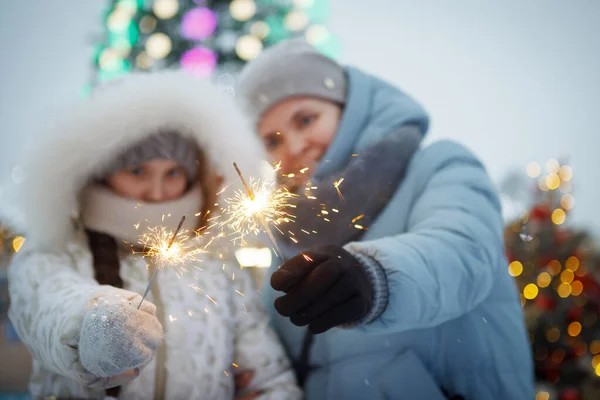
(198,24)
(199,61)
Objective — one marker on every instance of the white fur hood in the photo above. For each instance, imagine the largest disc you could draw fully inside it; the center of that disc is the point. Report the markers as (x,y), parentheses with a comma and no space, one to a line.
(60,159)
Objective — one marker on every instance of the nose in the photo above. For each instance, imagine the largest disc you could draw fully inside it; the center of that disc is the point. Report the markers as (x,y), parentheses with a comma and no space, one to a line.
(155,191)
(297,145)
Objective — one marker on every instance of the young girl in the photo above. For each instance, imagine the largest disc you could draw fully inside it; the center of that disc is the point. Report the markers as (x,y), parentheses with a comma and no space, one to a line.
(422,293)
(138,154)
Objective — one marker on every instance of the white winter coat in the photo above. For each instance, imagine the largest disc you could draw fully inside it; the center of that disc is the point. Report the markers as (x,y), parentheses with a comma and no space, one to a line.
(213,319)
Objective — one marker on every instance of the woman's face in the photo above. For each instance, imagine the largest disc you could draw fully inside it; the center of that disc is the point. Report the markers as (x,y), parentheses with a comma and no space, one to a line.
(153,181)
(297,132)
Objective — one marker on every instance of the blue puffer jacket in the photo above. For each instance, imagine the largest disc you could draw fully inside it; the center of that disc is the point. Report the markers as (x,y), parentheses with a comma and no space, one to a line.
(453,321)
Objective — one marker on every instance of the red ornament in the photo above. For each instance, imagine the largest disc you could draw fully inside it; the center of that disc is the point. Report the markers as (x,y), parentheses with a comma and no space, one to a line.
(591,288)
(540,212)
(543,261)
(563,236)
(574,313)
(545,302)
(552,376)
(570,394)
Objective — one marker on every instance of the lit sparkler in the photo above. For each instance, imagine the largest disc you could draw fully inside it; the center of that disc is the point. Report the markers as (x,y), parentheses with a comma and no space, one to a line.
(257,208)
(166,248)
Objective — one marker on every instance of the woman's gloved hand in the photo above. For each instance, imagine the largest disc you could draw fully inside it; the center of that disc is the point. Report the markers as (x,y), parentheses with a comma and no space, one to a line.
(117,339)
(324,288)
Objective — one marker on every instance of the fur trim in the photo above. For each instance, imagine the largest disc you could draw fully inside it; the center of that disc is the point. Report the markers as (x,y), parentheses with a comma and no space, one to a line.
(91,134)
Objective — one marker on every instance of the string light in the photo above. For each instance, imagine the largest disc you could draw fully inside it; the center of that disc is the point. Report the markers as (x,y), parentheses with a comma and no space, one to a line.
(242,10)
(109,59)
(554,267)
(248,47)
(565,173)
(572,263)
(317,34)
(567,201)
(165,9)
(260,29)
(574,329)
(533,169)
(552,335)
(542,184)
(158,45)
(544,279)
(564,290)
(576,288)
(143,60)
(559,216)
(296,20)
(552,166)
(515,268)
(147,24)
(530,291)
(118,20)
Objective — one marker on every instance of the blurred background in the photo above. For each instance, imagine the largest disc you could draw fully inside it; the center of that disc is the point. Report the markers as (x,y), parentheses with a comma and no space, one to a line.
(517,82)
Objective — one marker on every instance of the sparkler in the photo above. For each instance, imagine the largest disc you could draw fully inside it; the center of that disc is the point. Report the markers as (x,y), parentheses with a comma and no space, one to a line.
(157,250)
(258,207)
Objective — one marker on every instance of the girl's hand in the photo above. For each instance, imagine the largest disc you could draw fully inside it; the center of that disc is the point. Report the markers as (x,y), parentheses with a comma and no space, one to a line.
(117,339)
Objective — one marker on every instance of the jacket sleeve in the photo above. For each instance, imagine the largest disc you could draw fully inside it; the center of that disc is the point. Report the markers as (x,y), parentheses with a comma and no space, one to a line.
(257,347)
(48,301)
(445,263)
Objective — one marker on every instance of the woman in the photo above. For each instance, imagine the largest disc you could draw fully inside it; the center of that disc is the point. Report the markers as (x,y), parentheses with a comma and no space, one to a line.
(420,297)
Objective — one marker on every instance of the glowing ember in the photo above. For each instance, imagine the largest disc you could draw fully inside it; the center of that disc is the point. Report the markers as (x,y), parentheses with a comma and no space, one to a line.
(337,184)
(156,245)
(247,214)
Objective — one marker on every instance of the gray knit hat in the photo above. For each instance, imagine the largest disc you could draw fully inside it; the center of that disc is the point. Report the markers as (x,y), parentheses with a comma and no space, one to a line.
(290,68)
(166,145)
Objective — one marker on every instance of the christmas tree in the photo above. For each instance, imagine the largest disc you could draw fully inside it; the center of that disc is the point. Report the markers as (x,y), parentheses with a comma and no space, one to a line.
(203,36)
(556,270)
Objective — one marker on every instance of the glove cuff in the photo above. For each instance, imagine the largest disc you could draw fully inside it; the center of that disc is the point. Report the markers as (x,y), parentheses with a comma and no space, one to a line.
(376,276)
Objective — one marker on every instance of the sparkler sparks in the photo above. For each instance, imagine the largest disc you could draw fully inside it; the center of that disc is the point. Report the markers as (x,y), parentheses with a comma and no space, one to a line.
(166,248)
(257,208)
(337,184)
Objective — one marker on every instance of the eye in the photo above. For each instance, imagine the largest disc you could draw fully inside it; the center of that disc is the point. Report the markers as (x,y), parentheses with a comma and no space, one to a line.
(175,172)
(306,120)
(137,171)
(272,141)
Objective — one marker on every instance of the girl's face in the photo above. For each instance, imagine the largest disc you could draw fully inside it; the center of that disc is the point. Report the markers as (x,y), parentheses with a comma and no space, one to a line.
(297,132)
(153,181)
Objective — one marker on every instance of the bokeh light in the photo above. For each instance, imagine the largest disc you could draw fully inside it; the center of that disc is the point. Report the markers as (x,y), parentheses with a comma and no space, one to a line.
(296,21)
(559,216)
(242,10)
(248,47)
(530,291)
(544,279)
(533,169)
(198,24)
(165,9)
(515,268)
(199,61)
(158,45)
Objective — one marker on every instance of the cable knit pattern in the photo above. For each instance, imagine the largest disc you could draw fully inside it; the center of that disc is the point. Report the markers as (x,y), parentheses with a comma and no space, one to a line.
(214,320)
(378,279)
